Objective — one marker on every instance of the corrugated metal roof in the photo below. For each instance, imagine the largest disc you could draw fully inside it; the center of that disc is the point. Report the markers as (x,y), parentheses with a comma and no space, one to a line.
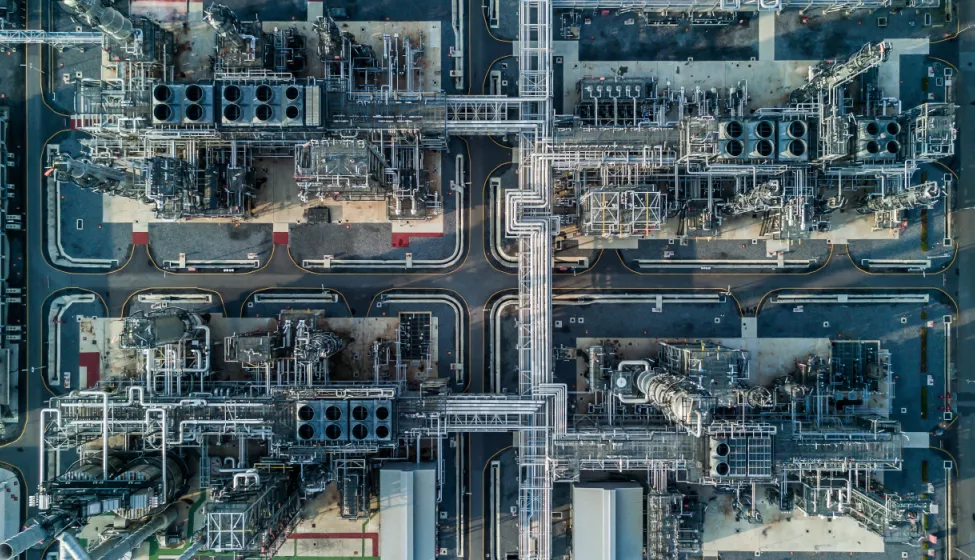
(607,521)
(407,512)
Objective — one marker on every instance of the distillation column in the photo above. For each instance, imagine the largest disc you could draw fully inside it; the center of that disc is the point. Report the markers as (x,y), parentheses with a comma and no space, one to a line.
(761,198)
(922,195)
(107,19)
(678,397)
(89,175)
(117,549)
(224,22)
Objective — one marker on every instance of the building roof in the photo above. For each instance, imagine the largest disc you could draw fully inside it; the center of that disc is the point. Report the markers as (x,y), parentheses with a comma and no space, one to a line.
(407,510)
(607,521)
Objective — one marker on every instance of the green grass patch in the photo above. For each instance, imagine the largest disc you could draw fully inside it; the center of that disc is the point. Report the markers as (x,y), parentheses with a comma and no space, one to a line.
(924,403)
(925,82)
(175,550)
(189,516)
(153,548)
(924,472)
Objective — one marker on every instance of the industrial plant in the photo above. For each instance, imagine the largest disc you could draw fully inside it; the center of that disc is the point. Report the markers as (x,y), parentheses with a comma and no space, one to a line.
(244,333)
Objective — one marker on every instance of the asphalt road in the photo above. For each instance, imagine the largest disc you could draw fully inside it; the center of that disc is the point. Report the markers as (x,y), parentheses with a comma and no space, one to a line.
(475,280)
(961,441)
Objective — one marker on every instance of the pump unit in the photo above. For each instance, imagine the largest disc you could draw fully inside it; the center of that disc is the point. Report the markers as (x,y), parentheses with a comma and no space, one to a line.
(793,140)
(262,105)
(720,453)
(198,104)
(361,419)
(761,139)
(731,140)
(234,103)
(182,104)
(292,105)
(323,421)
(383,421)
(740,457)
(877,140)
(167,104)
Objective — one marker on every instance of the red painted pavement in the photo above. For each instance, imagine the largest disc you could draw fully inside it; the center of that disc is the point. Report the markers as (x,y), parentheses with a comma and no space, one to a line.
(92,361)
(280,237)
(373,537)
(140,237)
(402,240)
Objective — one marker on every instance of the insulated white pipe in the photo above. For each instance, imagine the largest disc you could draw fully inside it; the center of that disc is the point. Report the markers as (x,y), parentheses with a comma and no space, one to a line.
(249,474)
(104,397)
(643,399)
(42,444)
(72,547)
(165,483)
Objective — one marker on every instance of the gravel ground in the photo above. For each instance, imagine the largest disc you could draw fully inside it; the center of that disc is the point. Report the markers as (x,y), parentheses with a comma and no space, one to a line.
(603,320)
(884,323)
(96,239)
(893,552)
(288,10)
(369,241)
(254,309)
(215,307)
(839,35)
(723,249)
(446,323)
(914,67)
(70,339)
(908,245)
(508,21)
(394,10)
(209,241)
(608,38)
(374,241)
(876,322)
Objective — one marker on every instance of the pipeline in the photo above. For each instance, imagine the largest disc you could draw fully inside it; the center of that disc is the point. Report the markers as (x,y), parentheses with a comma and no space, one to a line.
(116,550)
(249,474)
(193,549)
(88,174)
(645,365)
(71,546)
(670,394)
(107,19)
(23,540)
(224,22)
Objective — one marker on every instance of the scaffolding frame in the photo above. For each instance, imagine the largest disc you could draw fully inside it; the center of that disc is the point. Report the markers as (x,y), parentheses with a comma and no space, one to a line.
(621,213)
(249,520)
(933,132)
